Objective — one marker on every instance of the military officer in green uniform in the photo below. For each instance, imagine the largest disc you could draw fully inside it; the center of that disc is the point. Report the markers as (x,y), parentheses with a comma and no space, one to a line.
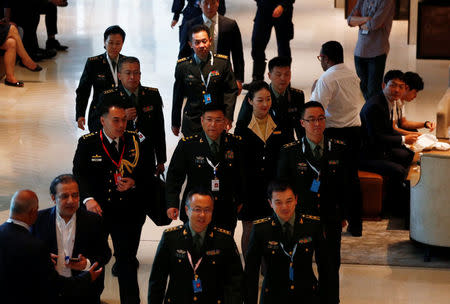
(286,241)
(202,261)
(202,78)
(143,111)
(287,102)
(100,73)
(315,166)
(211,159)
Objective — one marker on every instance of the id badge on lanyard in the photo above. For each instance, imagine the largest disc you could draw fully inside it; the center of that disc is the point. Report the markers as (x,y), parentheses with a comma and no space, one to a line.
(207,96)
(196,282)
(215,182)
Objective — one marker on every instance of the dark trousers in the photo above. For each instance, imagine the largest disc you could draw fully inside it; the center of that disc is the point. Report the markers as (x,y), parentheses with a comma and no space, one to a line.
(28,19)
(51,18)
(262,28)
(328,259)
(352,138)
(370,71)
(395,168)
(125,231)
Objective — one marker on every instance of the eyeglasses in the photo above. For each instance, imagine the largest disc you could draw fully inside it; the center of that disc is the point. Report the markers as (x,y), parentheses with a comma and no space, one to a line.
(320,57)
(200,210)
(315,120)
(216,120)
(129,73)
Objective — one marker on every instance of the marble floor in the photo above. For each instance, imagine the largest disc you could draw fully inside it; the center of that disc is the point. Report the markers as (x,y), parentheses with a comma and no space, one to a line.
(39,134)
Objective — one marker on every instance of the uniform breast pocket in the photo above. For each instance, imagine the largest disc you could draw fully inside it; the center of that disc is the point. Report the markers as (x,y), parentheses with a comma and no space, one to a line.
(100,81)
(304,247)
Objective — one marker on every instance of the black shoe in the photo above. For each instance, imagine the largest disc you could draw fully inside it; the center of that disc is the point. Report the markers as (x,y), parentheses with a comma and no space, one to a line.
(114,270)
(17,84)
(48,53)
(53,44)
(38,68)
(354,231)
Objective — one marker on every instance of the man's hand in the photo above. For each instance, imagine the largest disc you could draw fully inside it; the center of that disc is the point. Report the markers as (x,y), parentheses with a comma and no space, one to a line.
(364,27)
(172,213)
(430,125)
(411,138)
(80,265)
(228,124)
(159,169)
(125,183)
(175,130)
(93,206)
(130,113)
(239,85)
(278,11)
(54,258)
(358,20)
(173,23)
(344,224)
(95,273)
(81,122)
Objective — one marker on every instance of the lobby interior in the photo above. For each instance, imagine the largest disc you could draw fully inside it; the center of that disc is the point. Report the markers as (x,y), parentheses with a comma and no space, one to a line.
(39,134)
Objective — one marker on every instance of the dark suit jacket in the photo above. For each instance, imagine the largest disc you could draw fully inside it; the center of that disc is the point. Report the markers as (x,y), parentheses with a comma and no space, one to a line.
(27,274)
(229,41)
(220,270)
(90,238)
(378,135)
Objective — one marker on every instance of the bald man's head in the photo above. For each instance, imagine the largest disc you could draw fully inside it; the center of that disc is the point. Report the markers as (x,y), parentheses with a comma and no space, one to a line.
(24,206)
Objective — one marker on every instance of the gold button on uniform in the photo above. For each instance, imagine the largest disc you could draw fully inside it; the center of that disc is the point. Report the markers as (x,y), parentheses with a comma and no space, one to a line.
(292,287)
(195,298)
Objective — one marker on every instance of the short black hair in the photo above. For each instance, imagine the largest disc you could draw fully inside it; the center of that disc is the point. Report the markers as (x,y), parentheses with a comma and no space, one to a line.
(393,74)
(413,81)
(198,190)
(213,106)
(278,185)
(114,29)
(280,61)
(334,51)
(61,179)
(257,86)
(197,29)
(129,59)
(105,105)
(310,104)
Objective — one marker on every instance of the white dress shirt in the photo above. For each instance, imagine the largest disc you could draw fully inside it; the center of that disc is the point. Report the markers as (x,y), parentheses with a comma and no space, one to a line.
(207,22)
(339,92)
(65,238)
(113,70)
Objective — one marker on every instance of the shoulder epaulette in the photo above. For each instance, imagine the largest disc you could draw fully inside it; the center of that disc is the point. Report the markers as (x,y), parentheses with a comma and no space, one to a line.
(263,220)
(173,228)
(222,230)
(291,144)
(89,135)
(190,138)
(221,56)
(109,91)
(234,136)
(131,132)
(95,58)
(311,217)
(151,89)
(182,59)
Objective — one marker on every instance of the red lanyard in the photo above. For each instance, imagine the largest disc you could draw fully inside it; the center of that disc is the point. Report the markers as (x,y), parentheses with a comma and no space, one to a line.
(107,153)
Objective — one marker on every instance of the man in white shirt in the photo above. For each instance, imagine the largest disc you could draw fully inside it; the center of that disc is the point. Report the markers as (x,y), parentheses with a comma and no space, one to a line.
(75,237)
(339,93)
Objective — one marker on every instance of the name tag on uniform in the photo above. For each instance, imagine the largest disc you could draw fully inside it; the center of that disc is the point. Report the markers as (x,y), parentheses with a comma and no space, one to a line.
(315,185)
(197,284)
(207,98)
(96,158)
(215,184)
(141,136)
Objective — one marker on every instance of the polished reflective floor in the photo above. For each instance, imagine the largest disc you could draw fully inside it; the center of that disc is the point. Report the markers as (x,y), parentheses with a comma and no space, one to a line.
(39,134)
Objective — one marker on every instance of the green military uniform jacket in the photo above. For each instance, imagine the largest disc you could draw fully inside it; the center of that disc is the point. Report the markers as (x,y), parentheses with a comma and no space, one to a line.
(220,270)
(190,160)
(330,200)
(188,83)
(266,242)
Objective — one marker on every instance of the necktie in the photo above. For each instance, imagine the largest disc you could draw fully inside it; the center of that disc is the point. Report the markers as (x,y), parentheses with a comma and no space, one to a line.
(115,145)
(133,99)
(317,154)
(215,149)
(197,244)
(287,233)
(211,35)
(113,63)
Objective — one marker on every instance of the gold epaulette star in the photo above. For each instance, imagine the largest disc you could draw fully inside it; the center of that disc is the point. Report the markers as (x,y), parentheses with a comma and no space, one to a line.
(263,220)
(291,144)
(221,56)
(222,230)
(89,135)
(182,59)
(173,228)
(311,217)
